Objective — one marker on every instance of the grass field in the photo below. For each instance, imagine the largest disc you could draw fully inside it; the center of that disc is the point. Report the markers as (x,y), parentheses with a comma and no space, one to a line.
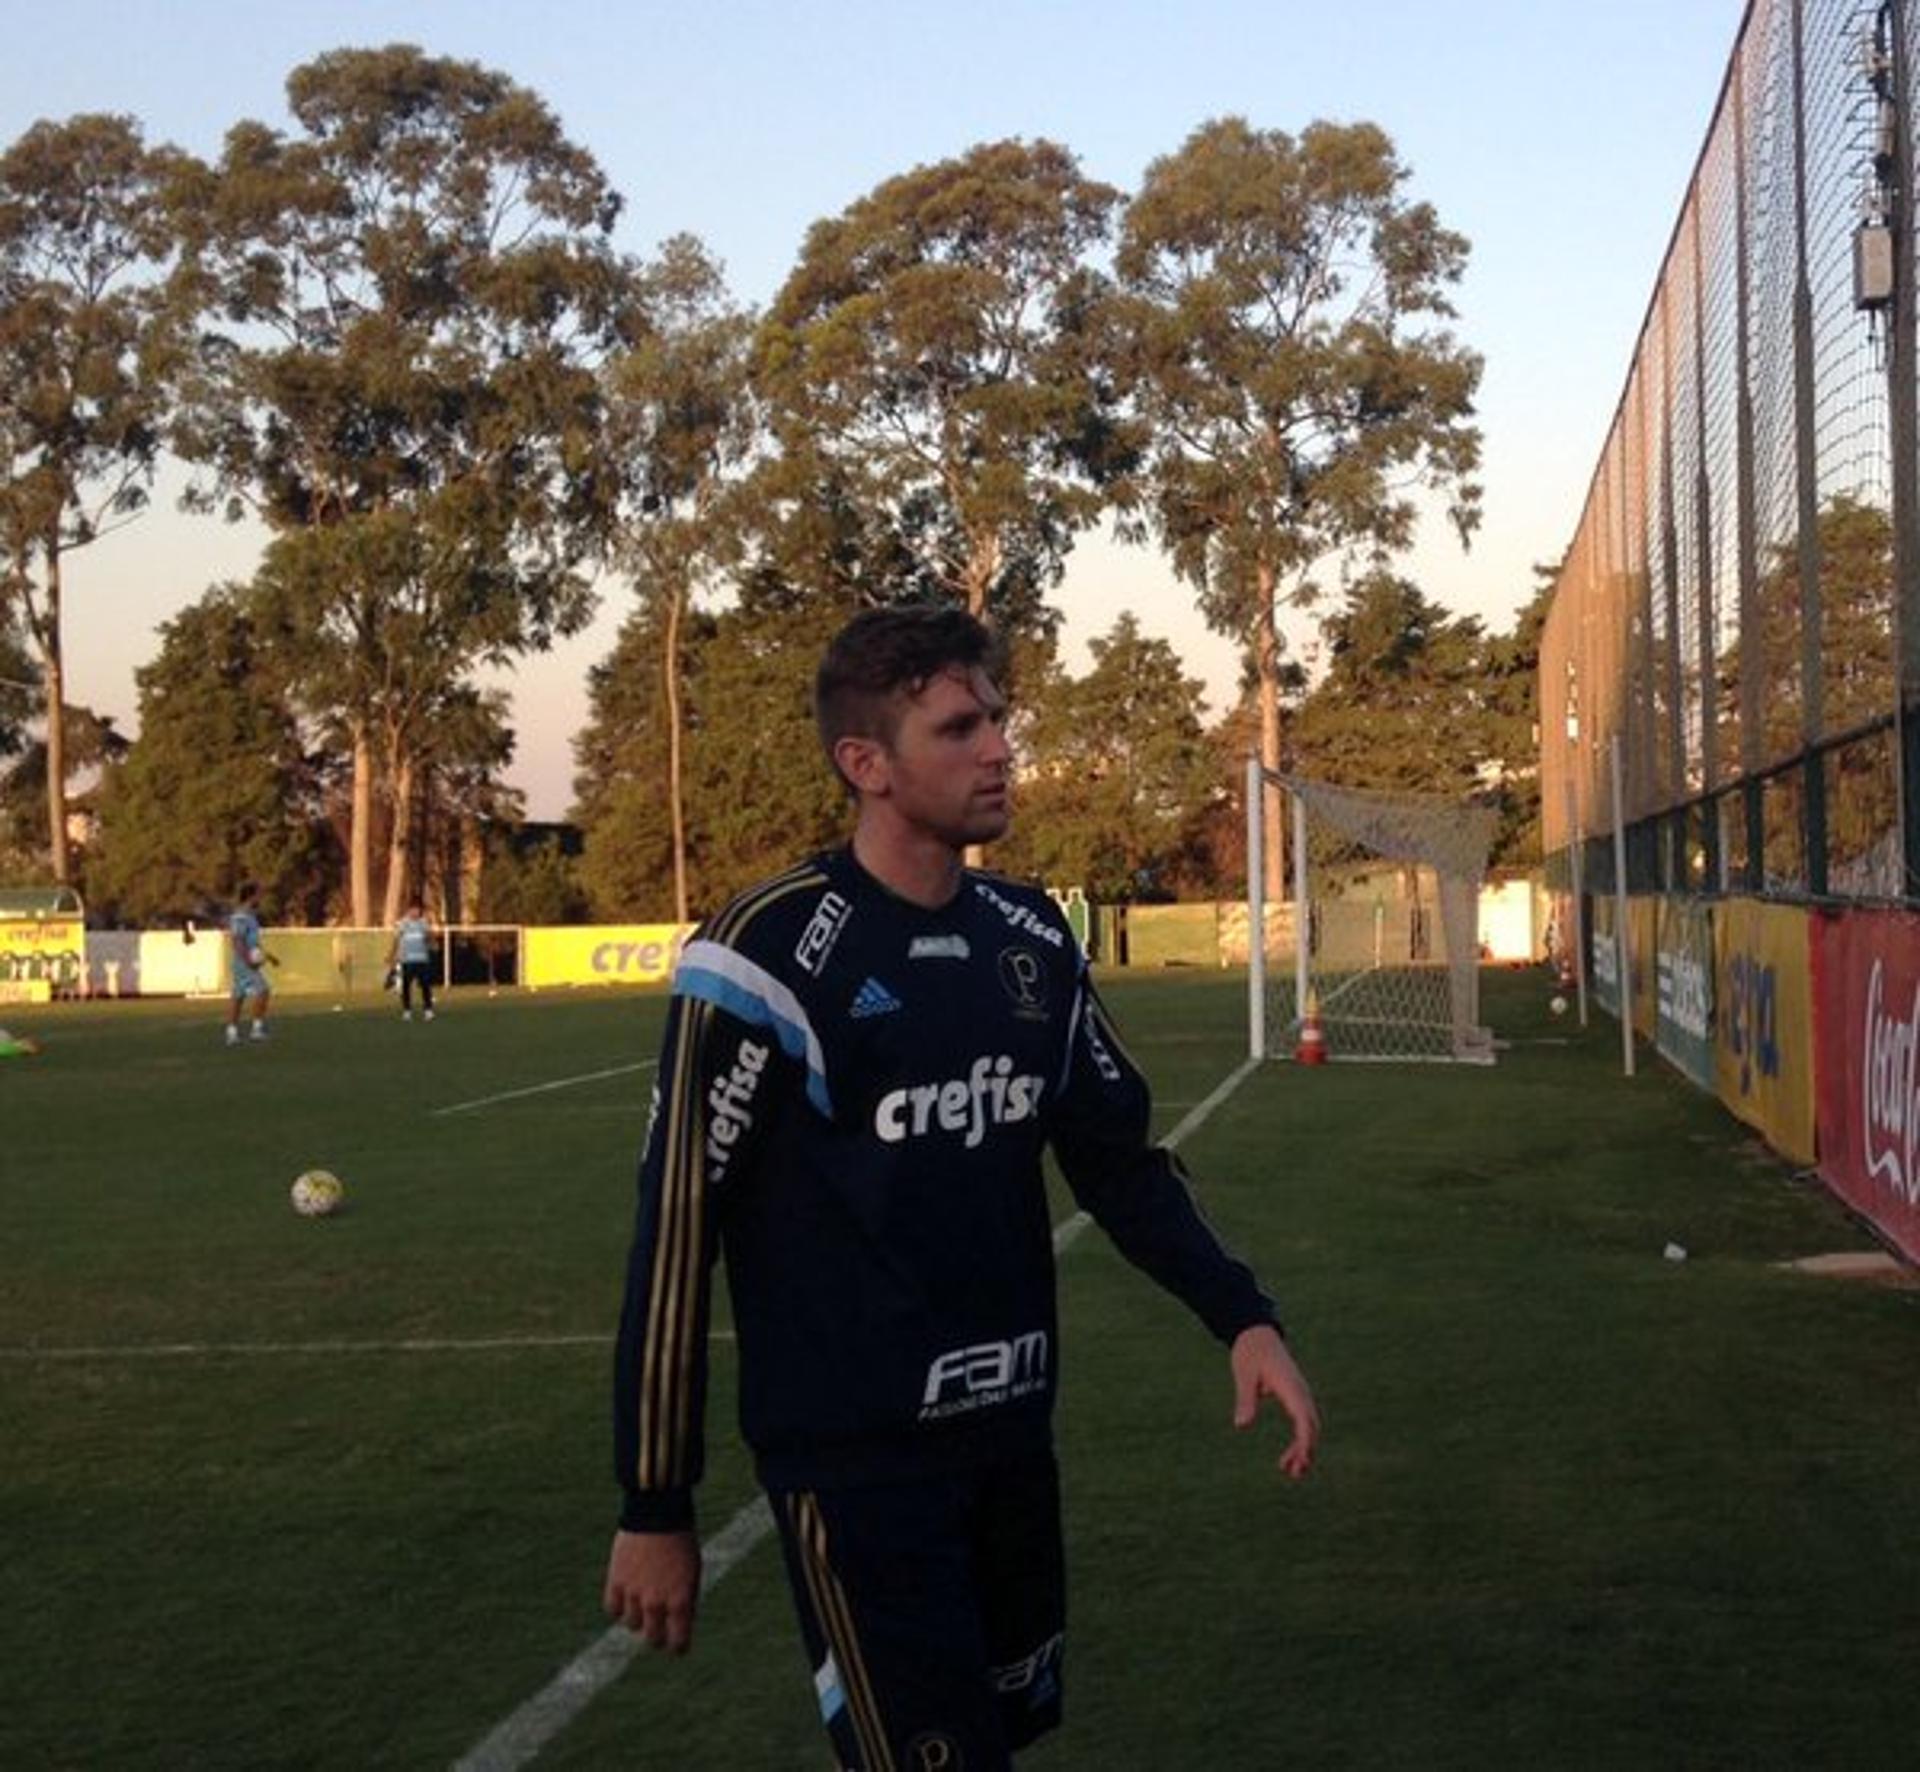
(279,1493)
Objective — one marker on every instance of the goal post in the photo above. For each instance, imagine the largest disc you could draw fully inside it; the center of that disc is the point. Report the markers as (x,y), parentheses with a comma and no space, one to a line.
(1379,930)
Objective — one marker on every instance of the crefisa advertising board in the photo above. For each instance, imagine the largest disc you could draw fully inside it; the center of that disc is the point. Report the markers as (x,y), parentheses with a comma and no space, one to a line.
(628,953)
(1867,992)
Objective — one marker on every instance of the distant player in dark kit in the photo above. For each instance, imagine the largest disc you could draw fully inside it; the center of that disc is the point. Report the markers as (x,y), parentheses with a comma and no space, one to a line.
(864,1061)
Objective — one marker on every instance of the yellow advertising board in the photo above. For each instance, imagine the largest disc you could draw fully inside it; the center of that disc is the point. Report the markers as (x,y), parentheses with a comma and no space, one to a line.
(49,951)
(625,953)
(1763,1022)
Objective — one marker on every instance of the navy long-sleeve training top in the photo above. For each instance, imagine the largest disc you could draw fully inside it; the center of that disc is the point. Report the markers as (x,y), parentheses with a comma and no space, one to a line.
(853,1101)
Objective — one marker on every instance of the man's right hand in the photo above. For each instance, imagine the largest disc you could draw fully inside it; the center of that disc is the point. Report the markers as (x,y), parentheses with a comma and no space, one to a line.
(653,1586)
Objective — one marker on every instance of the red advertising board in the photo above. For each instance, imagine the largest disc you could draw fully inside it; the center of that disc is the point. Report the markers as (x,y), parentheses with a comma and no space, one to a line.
(1867,1035)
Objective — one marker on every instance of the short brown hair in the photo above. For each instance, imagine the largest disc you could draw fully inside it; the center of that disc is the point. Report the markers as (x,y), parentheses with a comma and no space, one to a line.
(884,653)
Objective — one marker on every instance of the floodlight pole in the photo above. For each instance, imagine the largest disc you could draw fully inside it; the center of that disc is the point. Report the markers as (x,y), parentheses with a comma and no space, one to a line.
(1256,917)
(1622,947)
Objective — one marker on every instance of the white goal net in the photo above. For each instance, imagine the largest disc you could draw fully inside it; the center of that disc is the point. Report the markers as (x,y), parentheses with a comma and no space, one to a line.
(1379,930)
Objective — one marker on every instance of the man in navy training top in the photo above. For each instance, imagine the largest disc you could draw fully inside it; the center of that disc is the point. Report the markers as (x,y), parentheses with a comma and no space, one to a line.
(864,1060)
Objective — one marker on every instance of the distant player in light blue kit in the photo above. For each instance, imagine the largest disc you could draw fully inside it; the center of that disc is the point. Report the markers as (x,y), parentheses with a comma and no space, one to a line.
(412,949)
(247,952)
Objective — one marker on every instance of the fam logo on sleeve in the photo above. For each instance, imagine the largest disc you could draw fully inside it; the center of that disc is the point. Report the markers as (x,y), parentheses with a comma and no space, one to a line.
(822,932)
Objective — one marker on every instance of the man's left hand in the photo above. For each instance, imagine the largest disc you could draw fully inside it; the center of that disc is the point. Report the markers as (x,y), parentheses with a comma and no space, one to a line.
(1262,1366)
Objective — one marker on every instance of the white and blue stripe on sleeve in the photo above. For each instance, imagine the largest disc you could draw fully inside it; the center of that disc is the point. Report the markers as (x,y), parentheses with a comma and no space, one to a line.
(712,973)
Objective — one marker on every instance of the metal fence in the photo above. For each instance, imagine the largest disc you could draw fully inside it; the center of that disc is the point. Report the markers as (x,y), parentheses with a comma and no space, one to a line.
(1740,606)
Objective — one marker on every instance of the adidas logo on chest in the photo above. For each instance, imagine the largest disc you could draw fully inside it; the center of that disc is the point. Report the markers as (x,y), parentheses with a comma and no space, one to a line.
(873,998)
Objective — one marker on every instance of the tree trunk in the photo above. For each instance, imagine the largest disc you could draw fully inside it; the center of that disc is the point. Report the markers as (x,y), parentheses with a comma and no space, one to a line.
(473,871)
(426,857)
(980,575)
(1267,663)
(400,837)
(676,810)
(53,662)
(360,837)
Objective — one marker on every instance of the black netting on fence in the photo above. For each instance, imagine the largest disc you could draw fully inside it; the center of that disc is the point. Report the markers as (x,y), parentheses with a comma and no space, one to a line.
(1727,614)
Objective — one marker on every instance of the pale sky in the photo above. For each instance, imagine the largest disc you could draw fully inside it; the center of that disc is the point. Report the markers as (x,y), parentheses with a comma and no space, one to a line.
(1557,135)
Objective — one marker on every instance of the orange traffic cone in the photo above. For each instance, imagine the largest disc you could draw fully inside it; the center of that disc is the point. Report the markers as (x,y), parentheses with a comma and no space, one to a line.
(1313,1042)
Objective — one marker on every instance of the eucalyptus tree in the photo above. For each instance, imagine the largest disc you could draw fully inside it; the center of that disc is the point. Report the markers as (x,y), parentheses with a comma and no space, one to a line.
(19,681)
(1287,347)
(626,866)
(1510,693)
(88,326)
(1116,772)
(1404,704)
(765,791)
(91,744)
(681,418)
(461,795)
(931,371)
(417,294)
(758,790)
(220,786)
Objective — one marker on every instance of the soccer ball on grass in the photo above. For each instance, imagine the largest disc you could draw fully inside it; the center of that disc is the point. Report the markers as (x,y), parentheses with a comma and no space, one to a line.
(317,1193)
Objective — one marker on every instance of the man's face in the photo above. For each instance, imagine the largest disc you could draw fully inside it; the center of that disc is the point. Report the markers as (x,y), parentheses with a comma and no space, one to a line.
(947,771)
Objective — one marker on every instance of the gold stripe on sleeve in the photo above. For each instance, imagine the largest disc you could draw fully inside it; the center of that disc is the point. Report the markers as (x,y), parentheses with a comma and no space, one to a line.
(665,1376)
(732,921)
(672,1349)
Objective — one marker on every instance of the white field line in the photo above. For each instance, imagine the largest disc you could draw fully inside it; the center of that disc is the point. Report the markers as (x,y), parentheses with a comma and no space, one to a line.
(519,1739)
(619,1070)
(215,1350)
(1069,1228)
